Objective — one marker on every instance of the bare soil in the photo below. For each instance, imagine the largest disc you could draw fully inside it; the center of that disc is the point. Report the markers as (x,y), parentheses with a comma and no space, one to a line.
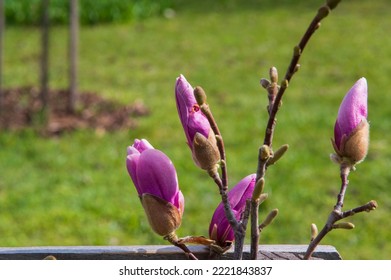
(22,108)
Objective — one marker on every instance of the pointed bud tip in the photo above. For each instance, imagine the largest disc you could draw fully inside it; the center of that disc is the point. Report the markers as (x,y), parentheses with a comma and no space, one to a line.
(273,74)
(270,218)
(314,231)
(200,95)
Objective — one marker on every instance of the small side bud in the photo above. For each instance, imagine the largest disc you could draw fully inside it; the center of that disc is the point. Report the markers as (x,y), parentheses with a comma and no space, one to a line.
(343,225)
(284,84)
(296,51)
(372,205)
(297,68)
(265,152)
(333,3)
(278,154)
(314,231)
(258,189)
(265,83)
(200,95)
(270,217)
(262,198)
(323,12)
(273,74)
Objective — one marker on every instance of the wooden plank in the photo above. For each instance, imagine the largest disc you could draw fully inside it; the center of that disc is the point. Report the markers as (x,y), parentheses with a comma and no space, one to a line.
(155,252)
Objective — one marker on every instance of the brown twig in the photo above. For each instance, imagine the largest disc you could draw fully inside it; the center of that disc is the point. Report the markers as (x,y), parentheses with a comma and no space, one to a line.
(293,67)
(173,239)
(255,232)
(334,217)
(275,94)
(222,182)
(337,213)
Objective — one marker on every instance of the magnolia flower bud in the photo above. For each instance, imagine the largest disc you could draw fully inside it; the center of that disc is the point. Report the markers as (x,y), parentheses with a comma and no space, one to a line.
(351,130)
(258,189)
(343,225)
(220,229)
(156,182)
(269,218)
(200,137)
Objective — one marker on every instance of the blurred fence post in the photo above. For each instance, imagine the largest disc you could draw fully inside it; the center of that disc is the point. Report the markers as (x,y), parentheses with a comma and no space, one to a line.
(73,53)
(2,28)
(45,58)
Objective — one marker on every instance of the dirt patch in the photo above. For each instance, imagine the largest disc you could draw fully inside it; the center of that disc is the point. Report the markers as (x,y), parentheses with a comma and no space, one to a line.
(22,108)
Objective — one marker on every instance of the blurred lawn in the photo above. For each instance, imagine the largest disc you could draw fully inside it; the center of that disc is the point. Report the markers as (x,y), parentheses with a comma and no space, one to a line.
(75,190)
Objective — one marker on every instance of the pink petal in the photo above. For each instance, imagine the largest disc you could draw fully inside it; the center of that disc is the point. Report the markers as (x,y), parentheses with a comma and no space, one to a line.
(156,175)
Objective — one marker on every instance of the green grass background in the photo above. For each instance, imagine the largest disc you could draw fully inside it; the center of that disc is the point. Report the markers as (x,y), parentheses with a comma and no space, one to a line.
(75,190)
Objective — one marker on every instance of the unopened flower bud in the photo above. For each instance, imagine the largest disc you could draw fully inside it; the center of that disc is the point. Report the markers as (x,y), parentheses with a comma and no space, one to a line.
(220,229)
(199,134)
(156,182)
(351,130)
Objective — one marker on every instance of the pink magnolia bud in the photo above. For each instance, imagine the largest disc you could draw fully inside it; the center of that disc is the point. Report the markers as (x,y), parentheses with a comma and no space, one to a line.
(220,229)
(351,130)
(199,135)
(155,179)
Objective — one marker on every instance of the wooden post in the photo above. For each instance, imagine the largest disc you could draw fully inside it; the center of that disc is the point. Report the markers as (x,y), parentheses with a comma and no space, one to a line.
(45,58)
(2,28)
(73,53)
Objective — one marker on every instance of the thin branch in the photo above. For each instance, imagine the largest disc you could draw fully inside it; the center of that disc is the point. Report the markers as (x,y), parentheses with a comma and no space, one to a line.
(292,69)
(334,217)
(337,213)
(254,229)
(173,239)
(370,206)
(276,98)
(240,232)
(345,170)
(238,228)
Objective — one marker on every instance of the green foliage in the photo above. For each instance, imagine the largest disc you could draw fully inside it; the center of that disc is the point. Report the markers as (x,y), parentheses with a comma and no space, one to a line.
(24,12)
(74,190)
